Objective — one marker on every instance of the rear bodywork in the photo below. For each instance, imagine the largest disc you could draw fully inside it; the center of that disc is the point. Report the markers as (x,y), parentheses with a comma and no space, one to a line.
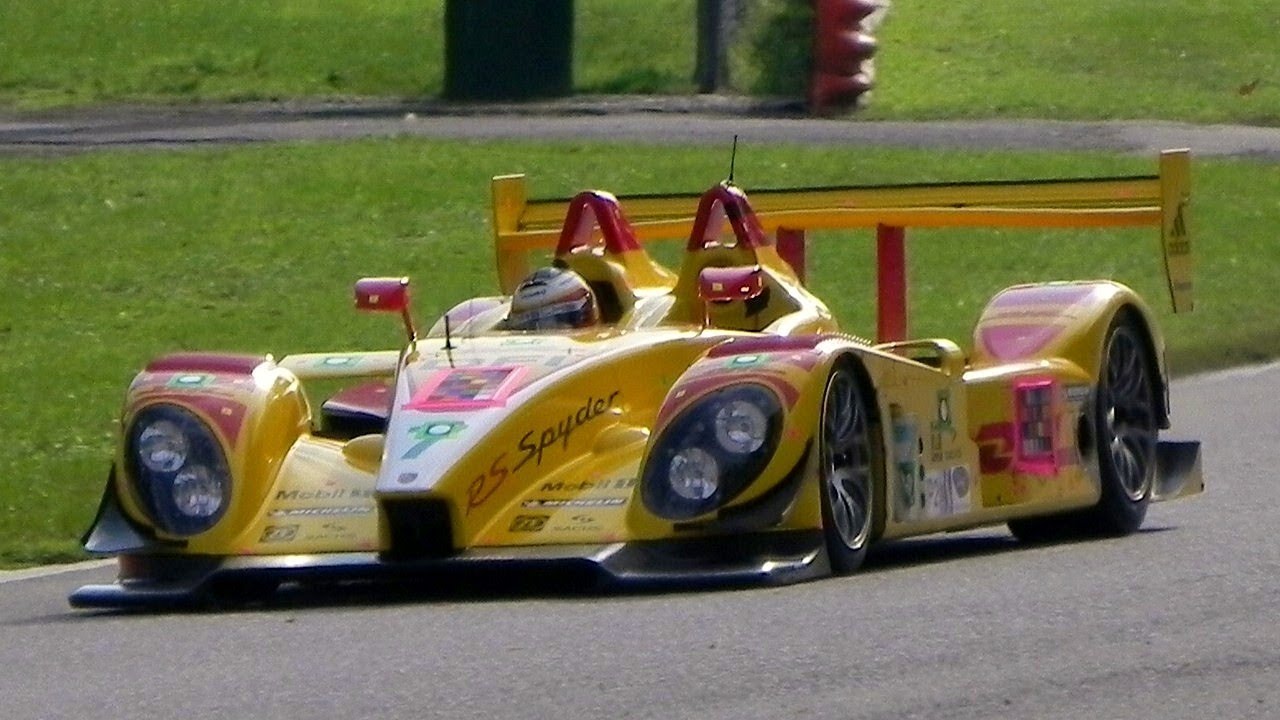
(475,446)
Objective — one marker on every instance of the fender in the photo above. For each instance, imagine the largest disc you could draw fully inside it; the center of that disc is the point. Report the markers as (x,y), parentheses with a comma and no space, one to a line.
(1066,320)
(255,410)
(793,368)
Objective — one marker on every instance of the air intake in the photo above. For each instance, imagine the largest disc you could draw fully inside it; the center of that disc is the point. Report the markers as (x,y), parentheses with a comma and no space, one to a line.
(418,529)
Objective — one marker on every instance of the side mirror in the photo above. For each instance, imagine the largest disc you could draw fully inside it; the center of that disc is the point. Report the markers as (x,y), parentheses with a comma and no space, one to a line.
(382,294)
(386,295)
(726,284)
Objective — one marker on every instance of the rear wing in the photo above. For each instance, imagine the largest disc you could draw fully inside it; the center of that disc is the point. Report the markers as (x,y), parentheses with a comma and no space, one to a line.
(522,225)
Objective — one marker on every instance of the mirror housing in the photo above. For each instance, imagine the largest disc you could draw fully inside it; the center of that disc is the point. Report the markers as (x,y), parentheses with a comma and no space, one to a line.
(386,294)
(727,284)
(382,294)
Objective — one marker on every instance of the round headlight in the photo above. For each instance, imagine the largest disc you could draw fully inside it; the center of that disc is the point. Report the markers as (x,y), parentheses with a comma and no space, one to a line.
(712,451)
(162,447)
(741,426)
(179,469)
(197,493)
(693,474)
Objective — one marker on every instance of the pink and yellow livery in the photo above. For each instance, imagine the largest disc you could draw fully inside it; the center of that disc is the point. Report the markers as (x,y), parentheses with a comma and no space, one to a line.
(713,421)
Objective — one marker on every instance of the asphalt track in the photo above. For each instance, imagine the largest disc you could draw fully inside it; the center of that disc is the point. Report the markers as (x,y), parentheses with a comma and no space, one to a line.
(645,120)
(1178,621)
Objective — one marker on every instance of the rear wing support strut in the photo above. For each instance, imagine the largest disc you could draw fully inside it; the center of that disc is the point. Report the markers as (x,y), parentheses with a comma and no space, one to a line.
(891,285)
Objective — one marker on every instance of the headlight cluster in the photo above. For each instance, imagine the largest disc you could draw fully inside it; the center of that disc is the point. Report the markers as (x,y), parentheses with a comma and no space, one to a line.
(179,469)
(711,451)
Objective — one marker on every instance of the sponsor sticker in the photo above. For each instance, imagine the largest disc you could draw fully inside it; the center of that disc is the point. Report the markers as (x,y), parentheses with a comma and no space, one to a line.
(427,434)
(588,485)
(466,388)
(322,511)
(279,533)
(550,436)
(605,502)
(334,494)
(578,524)
(1078,393)
(529,523)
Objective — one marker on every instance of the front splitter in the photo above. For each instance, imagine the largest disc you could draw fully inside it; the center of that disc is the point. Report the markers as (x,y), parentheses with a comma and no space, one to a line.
(777,558)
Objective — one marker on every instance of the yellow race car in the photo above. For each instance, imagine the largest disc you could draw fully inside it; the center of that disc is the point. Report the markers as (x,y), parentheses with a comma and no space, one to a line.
(653,425)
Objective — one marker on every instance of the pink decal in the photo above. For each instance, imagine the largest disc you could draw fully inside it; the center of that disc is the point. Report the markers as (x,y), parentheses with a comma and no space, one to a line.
(206,362)
(1043,295)
(591,210)
(1013,342)
(372,398)
(226,415)
(765,344)
(684,394)
(1035,432)
(995,447)
(466,389)
(724,203)
(804,361)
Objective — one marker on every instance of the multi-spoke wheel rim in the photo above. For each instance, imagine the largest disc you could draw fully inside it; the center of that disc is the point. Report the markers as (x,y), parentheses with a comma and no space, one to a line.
(1129,414)
(846,461)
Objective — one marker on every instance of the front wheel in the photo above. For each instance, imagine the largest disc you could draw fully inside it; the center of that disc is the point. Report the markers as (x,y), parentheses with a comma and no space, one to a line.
(846,474)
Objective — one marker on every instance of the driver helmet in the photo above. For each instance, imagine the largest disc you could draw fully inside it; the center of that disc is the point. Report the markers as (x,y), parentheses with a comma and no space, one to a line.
(552,298)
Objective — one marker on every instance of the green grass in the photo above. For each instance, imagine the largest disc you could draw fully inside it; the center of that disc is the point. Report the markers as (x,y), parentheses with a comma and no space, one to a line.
(56,52)
(112,258)
(73,52)
(1176,59)
(1087,59)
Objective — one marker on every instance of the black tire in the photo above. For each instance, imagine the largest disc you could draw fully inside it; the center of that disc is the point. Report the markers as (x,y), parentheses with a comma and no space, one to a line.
(1125,427)
(847,482)
(1126,424)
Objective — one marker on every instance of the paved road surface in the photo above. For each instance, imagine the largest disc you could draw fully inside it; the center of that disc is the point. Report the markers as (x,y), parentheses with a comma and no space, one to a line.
(1177,623)
(661,120)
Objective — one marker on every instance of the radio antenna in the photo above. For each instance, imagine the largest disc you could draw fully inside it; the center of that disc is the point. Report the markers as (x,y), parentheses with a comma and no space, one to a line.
(733,157)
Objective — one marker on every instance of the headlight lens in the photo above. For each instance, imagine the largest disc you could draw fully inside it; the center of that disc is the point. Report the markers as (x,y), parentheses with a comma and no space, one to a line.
(712,451)
(694,474)
(197,493)
(741,426)
(162,447)
(179,469)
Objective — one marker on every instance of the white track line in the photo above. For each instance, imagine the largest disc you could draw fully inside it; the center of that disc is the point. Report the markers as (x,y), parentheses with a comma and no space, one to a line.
(7,576)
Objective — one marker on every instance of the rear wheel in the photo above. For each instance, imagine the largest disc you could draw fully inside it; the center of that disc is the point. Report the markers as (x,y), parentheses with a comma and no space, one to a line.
(1125,424)
(1125,417)
(847,487)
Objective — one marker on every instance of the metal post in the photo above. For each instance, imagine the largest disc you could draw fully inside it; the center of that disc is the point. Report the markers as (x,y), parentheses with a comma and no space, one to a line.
(718,21)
